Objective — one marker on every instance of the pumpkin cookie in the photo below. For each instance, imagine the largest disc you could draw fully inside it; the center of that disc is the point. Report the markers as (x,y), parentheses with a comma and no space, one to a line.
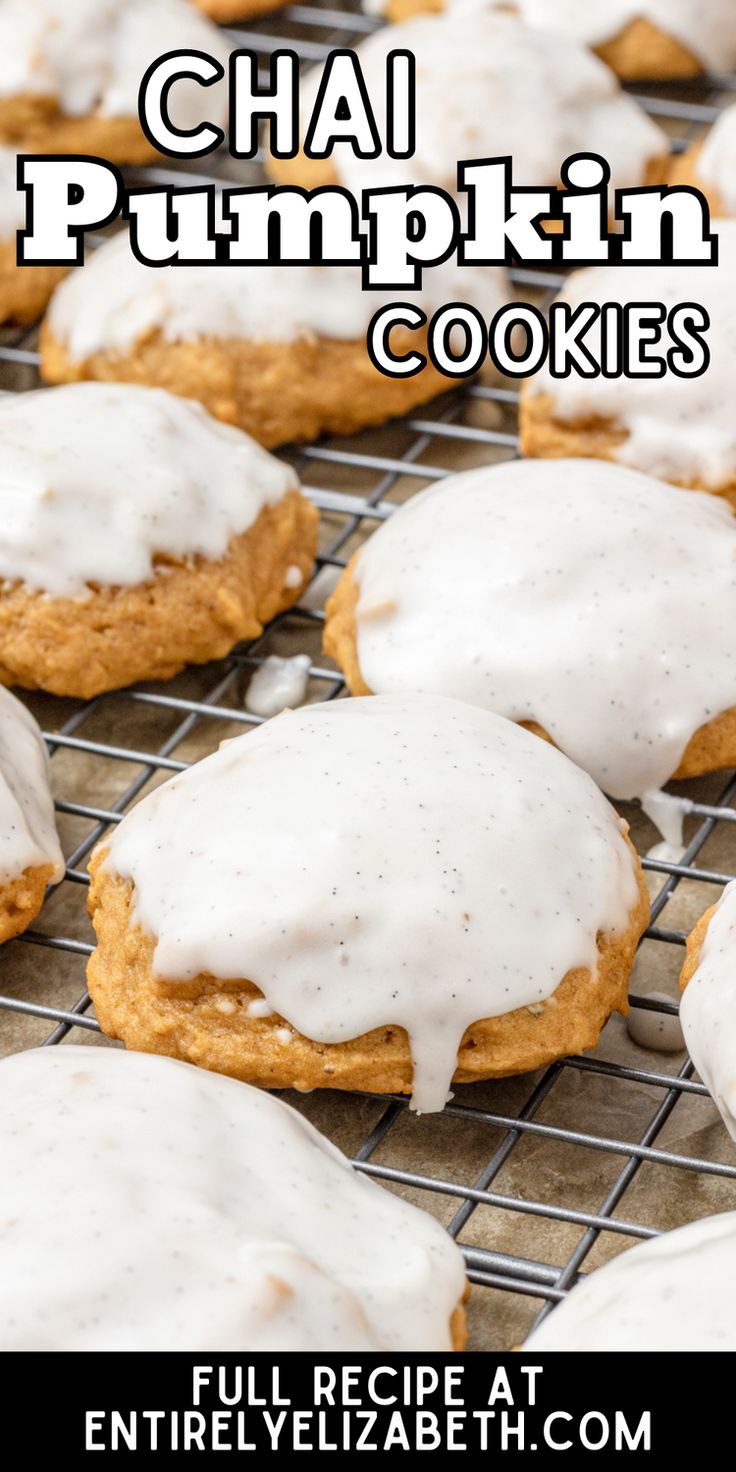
(680,429)
(279,351)
(224,1217)
(30,856)
(574,596)
(708,983)
(137,535)
(675,1292)
(658,40)
(486,87)
(710,166)
(70,73)
(389,894)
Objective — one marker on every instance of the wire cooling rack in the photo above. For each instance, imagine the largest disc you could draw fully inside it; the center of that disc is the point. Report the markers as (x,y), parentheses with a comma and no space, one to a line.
(538,1178)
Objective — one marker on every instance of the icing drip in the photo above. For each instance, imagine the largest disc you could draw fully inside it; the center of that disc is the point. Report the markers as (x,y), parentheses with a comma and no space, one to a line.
(28,837)
(90,55)
(525,588)
(421,864)
(706,28)
(708,1010)
(115,300)
(278,683)
(682,429)
(717,159)
(668,814)
(666,853)
(488,86)
(205,1215)
(98,478)
(674,1292)
(294,577)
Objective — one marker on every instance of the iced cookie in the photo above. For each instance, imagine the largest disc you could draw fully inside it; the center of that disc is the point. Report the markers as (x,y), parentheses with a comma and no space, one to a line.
(638,39)
(681,429)
(30,856)
(711,165)
(202,1215)
(487,86)
(708,983)
(24,290)
(574,596)
(280,351)
(674,1292)
(70,73)
(369,894)
(137,535)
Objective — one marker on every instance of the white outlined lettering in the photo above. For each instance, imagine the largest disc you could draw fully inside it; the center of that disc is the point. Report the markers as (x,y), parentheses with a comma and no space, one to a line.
(153,103)
(65,196)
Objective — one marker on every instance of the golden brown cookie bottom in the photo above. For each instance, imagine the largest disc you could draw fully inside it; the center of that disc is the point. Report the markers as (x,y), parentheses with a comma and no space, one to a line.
(24,290)
(21,899)
(544,437)
(227,10)
(639,53)
(35,125)
(459,1325)
(206,1021)
(187,614)
(276,392)
(711,747)
(693,947)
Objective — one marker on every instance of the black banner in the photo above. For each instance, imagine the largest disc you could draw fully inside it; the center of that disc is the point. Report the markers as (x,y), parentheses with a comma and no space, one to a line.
(523,1408)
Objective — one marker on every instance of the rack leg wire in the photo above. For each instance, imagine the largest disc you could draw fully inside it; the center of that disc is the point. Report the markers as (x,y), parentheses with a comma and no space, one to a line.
(400,458)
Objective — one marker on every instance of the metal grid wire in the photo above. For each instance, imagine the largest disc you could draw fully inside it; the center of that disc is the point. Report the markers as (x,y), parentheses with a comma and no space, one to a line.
(356,483)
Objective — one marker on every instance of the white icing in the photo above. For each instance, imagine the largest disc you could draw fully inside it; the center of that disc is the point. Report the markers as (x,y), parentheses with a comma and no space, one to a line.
(666,853)
(191,1212)
(660,1032)
(28,837)
(96,479)
(12,202)
(716,165)
(259,1008)
(706,28)
(668,814)
(90,55)
(294,577)
(487,86)
(679,428)
(674,1292)
(115,300)
(421,863)
(278,683)
(526,588)
(708,1010)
